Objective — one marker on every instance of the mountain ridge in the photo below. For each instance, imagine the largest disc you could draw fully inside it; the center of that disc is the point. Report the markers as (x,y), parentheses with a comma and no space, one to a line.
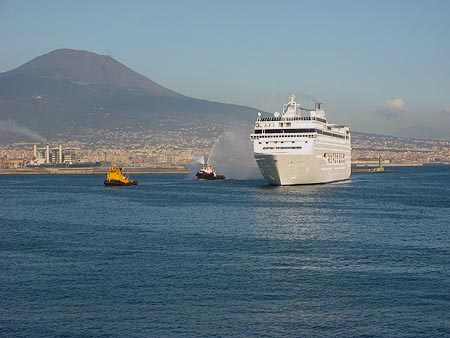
(422,132)
(69,89)
(85,67)
(74,89)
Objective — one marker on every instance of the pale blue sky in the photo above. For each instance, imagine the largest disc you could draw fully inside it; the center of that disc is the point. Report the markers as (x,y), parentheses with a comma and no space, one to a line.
(378,66)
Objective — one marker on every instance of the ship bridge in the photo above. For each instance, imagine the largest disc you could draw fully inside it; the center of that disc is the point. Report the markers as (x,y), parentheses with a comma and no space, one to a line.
(291,123)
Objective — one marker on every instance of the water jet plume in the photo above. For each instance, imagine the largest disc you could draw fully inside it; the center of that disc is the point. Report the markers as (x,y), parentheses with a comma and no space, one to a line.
(232,154)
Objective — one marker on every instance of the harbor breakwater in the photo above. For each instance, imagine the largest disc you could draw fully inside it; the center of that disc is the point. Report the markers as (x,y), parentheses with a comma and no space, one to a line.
(89,170)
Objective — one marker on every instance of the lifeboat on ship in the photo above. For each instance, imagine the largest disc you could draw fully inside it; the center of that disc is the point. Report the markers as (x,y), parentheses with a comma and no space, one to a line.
(115,178)
(207,172)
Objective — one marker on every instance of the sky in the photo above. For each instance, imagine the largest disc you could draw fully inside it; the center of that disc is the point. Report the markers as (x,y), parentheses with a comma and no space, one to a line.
(378,66)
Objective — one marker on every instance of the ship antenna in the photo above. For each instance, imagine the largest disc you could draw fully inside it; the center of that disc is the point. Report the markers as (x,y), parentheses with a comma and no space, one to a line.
(292,97)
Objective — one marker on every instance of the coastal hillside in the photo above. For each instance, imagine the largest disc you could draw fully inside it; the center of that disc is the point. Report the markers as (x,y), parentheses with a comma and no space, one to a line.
(71,90)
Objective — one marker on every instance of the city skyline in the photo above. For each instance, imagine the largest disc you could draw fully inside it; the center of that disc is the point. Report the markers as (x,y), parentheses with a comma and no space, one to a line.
(377,66)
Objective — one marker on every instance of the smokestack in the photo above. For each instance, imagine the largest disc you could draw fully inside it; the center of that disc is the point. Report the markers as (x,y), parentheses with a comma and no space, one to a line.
(47,154)
(35,151)
(319,106)
(60,154)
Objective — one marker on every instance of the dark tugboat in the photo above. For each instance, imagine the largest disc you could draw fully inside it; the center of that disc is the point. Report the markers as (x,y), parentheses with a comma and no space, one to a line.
(115,178)
(207,172)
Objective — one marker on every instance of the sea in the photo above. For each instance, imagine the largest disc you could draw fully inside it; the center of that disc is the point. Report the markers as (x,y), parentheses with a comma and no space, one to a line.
(176,257)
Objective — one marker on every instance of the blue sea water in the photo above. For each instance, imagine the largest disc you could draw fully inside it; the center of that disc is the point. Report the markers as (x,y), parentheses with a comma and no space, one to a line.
(174,257)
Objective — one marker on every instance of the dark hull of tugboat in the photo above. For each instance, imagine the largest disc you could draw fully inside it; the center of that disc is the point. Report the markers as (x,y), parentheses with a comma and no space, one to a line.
(114,183)
(204,176)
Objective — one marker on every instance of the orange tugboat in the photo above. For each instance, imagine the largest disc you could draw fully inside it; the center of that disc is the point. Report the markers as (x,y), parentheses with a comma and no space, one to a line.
(115,178)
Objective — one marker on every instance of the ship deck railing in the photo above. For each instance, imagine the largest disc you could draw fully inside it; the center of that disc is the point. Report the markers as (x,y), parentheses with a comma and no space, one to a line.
(290,132)
(297,118)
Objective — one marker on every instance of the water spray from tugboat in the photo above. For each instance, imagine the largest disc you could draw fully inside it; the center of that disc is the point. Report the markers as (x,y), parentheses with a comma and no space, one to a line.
(231,155)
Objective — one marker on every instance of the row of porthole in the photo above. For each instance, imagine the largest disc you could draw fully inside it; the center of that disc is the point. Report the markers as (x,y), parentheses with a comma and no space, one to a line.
(280,142)
(281,148)
(282,135)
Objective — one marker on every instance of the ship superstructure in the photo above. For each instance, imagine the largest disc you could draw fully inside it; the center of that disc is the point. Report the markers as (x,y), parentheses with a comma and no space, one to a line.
(294,148)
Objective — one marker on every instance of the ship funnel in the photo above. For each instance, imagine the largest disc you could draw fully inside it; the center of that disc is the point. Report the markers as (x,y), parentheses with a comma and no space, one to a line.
(319,106)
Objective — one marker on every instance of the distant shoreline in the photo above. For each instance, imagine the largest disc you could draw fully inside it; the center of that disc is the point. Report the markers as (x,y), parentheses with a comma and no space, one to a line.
(135,170)
(363,165)
(88,171)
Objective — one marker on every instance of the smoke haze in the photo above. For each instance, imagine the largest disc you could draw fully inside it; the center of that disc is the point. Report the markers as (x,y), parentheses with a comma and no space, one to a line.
(11,127)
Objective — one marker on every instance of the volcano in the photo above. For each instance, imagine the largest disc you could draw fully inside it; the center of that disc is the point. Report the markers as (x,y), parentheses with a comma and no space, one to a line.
(69,89)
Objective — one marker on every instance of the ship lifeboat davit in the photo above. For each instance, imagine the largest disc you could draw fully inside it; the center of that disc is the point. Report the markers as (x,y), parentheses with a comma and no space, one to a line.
(116,178)
(207,172)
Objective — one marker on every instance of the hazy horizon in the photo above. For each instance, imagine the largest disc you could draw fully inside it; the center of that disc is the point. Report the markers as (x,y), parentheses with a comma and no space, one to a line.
(377,66)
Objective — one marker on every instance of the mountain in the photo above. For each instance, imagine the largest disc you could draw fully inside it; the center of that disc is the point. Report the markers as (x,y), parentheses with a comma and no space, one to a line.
(423,133)
(70,89)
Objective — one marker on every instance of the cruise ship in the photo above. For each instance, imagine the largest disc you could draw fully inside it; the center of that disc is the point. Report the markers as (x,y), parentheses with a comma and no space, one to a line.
(299,146)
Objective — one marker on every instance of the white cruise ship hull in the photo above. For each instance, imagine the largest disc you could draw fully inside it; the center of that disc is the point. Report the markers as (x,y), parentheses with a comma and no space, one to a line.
(295,169)
(291,148)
